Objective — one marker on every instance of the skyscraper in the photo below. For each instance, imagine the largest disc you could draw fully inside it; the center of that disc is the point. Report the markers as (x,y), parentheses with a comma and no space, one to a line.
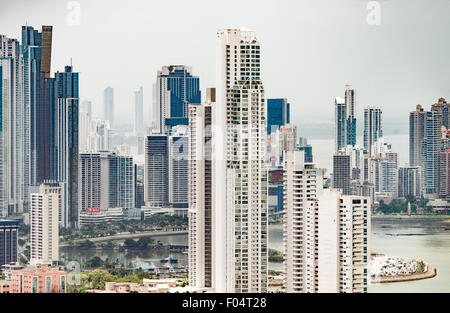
(342,172)
(432,151)
(340,123)
(416,136)
(178,167)
(36,48)
(409,181)
(302,182)
(11,127)
(372,128)
(139,111)
(44,223)
(66,142)
(350,117)
(107,180)
(176,88)
(239,169)
(156,171)
(108,105)
(200,193)
(345,121)
(278,114)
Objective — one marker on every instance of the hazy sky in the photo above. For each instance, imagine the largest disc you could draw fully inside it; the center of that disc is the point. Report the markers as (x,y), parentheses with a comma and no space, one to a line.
(311,49)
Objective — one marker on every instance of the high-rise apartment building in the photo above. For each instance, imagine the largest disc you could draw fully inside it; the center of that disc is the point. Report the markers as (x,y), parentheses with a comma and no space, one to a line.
(278,114)
(108,105)
(239,169)
(343,242)
(9,237)
(302,182)
(139,111)
(372,128)
(176,88)
(45,208)
(107,181)
(200,193)
(342,172)
(156,171)
(409,181)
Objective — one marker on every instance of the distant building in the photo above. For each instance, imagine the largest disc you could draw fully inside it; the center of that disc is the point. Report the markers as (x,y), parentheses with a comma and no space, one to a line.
(108,105)
(178,167)
(278,114)
(416,136)
(107,180)
(176,88)
(40,279)
(156,170)
(444,190)
(341,172)
(139,111)
(345,121)
(372,128)
(409,182)
(8,241)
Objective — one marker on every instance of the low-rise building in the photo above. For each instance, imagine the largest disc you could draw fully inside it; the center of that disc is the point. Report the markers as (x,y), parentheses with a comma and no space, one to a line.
(39,279)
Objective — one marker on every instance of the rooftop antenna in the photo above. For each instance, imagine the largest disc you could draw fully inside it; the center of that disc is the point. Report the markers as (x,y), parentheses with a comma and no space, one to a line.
(70,61)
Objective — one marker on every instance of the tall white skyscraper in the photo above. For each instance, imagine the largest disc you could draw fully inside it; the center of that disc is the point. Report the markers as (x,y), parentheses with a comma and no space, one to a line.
(45,208)
(108,105)
(200,188)
(239,172)
(302,182)
(139,110)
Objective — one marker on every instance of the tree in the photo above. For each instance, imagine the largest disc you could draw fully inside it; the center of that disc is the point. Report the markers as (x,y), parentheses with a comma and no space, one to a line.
(130,243)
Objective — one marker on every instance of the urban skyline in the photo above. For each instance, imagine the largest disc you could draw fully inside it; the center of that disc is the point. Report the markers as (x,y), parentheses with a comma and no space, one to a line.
(222,167)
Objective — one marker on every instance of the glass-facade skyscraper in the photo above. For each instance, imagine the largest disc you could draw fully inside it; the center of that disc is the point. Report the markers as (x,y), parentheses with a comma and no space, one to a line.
(278,114)
(67,145)
(176,88)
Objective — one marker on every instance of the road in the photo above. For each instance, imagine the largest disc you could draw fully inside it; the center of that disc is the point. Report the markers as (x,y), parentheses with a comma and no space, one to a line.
(128,236)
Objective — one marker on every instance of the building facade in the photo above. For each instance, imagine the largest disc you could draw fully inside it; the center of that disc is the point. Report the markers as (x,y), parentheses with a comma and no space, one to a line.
(302,182)
(200,193)
(45,207)
(8,241)
(239,140)
(176,88)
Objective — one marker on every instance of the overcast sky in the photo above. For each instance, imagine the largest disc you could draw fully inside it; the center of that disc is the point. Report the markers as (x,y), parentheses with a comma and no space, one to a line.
(311,49)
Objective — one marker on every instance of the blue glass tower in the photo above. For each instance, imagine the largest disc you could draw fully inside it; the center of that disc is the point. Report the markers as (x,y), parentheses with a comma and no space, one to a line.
(66,139)
(176,89)
(278,114)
